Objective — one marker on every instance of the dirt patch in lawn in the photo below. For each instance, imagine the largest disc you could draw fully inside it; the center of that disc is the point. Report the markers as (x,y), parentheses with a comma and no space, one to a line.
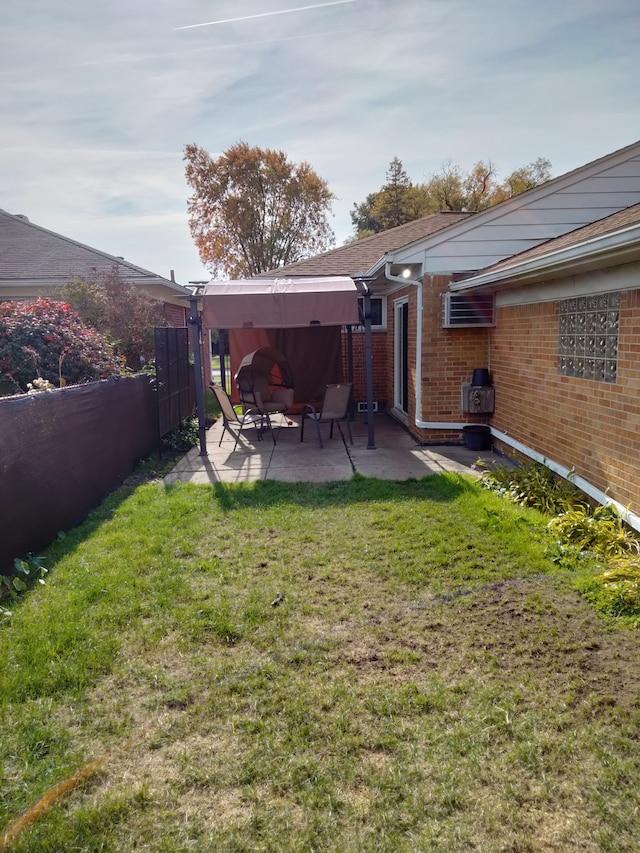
(540,627)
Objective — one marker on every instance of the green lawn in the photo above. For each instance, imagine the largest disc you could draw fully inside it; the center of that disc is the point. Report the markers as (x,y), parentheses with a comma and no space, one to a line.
(360,666)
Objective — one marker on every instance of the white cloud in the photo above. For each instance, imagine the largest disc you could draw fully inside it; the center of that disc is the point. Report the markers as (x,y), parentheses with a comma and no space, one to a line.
(98,100)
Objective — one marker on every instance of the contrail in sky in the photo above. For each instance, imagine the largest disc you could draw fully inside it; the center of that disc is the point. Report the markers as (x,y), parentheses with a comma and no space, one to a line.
(267,14)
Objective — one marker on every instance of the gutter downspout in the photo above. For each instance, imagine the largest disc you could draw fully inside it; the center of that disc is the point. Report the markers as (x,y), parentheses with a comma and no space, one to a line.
(418,421)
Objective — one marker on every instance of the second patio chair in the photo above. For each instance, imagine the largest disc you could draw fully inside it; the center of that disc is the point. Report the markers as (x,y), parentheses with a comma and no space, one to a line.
(230,418)
(334,407)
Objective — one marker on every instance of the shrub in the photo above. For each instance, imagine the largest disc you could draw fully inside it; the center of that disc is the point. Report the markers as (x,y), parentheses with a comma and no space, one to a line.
(46,339)
(533,485)
(595,542)
(119,310)
(602,530)
(25,574)
(183,437)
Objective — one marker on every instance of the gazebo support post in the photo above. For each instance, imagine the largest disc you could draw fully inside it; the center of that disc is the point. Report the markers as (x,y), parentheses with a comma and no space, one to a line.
(350,367)
(362,284)
(194,322)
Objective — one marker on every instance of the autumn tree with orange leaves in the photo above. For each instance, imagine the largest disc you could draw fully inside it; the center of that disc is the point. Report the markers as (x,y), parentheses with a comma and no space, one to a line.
(252,210)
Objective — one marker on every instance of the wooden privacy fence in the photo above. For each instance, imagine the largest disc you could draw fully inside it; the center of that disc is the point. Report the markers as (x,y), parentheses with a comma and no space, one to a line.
(63,451)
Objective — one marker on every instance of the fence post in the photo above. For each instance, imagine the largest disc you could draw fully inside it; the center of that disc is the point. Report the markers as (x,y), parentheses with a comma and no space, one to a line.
(194,322)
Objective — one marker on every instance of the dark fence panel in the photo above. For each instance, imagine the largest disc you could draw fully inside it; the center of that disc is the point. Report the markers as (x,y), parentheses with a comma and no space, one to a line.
(62,452)
(175,376)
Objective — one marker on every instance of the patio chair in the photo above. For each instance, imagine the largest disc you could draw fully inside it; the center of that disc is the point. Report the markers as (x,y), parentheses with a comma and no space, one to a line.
(251,417)
(334,407)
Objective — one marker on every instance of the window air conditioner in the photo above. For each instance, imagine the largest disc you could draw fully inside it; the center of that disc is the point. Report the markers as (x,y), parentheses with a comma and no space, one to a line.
(463,310)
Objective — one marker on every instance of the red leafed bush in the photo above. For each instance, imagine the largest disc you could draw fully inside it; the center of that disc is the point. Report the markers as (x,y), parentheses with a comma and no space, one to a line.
(44,338)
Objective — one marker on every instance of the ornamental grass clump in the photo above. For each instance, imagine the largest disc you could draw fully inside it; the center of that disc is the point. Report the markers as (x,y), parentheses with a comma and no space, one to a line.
(617,590)
(601,530)
(603,534)
(534,486)
(595,542)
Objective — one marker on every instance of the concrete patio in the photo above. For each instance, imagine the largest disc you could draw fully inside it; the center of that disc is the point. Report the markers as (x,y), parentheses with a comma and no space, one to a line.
(396,456)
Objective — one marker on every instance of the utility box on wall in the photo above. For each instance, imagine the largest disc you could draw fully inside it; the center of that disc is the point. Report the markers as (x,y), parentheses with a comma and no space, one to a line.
(477,399)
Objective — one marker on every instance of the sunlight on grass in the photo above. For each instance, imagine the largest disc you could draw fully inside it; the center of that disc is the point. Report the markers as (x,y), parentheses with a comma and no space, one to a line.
(365,665)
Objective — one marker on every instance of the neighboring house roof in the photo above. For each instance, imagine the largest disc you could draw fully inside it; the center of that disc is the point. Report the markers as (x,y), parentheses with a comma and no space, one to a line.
(357,257)
(34,259)
(612,240)
(588,193)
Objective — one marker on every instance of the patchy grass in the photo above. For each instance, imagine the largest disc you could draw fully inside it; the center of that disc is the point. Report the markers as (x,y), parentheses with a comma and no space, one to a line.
(359,666)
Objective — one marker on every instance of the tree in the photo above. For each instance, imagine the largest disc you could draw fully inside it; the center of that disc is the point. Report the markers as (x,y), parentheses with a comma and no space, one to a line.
(46,339)
(525,178)
(119,310)
(252,210)
(446,188)
(399,200)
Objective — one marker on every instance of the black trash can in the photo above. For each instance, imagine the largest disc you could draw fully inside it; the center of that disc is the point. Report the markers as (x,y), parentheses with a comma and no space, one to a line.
(477,436)
(481,377)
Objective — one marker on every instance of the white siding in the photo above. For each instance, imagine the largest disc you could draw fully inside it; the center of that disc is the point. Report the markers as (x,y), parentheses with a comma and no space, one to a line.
(625,277)
(563,204)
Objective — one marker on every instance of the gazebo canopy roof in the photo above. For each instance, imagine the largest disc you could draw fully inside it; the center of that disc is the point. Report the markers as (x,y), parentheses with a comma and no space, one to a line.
(280,303)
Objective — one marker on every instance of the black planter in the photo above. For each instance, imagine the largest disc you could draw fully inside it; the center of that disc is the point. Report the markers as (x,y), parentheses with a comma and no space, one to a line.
(477,436)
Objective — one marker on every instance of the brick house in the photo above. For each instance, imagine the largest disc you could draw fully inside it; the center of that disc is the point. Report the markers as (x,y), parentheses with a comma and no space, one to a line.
(354,259)
(565,355)
(440,313)
(34,261)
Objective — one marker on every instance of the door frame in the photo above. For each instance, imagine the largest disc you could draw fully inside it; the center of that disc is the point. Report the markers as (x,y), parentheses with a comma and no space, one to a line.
(401,355)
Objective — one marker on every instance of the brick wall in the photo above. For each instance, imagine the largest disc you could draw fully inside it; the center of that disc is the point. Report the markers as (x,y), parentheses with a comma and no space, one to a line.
(175,315)
(593,426)
(379,357)
(449,357)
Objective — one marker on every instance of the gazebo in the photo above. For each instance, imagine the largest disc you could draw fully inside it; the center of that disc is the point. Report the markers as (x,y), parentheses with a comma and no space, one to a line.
(302,317)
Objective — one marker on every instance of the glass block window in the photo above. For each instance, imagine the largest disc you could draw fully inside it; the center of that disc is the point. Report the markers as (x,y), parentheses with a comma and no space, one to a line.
(588,337)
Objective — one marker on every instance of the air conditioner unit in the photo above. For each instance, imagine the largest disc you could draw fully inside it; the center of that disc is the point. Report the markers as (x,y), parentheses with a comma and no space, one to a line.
(362,406)
(464,310)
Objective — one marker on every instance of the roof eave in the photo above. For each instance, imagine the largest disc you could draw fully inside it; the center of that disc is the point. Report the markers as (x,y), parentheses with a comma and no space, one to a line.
(59,280)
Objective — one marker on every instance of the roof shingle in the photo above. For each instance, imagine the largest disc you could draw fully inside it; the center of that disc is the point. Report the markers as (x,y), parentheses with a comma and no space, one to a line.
(359,256)
(30,254)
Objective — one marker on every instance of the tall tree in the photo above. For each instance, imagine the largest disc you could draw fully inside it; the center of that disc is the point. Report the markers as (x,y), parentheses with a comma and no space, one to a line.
(392,201)
(525,178)
(399,200)
(253,210)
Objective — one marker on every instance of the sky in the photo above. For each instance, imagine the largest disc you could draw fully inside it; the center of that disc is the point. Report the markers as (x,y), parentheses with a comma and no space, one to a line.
(99,99)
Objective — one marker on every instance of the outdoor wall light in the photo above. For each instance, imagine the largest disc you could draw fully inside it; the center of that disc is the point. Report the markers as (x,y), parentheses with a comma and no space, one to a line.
(405,271)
